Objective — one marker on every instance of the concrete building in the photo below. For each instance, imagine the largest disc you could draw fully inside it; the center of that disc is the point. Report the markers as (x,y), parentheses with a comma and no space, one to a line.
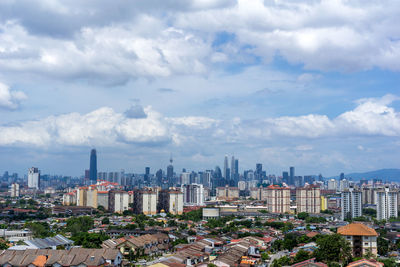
(171,201)
(185,178)
(227,193)
(118,201)
(361,238)
(14,190)
(278,199)
(91,197)
(386,204)
(332,184)
(308,199)
(69,198)
(102,199)
(193,194)
(33,178)
(324,203)
(145,202)
(351,204)
(81,196)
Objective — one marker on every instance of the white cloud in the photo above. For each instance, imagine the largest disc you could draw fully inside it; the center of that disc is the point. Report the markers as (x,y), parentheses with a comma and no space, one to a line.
(105,127)
(102,127)
(10,99)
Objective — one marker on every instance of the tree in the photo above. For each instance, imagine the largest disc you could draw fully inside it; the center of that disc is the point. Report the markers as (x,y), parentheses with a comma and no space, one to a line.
(332,248)
(264,256)
(39,229)
(76,225)
(105,220)
(383,246)
(301,255)
(302,215)
(89,240)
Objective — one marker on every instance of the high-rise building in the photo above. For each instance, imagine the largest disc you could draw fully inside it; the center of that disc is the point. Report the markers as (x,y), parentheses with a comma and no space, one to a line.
(291,178)
(193,194)
(145,202)
(147,175)
(93,167)
(224,174)
(351,204)
(332,184)
(170,201)
(33,178)
(343,184)
(185,178)
(237,167)
(14,190)
(170,171)
(285,177)
(341,176)
(233,167)
(227,193)
(259,171)
(386,204)
(278,198)
(308,199)
(118,201)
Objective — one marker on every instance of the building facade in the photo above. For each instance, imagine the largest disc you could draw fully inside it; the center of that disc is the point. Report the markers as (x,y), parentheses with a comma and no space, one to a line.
(308,199)
(386,204)
(193,194)
(351,204)
(362,238)
(145,202)
(278,199)
(33,178)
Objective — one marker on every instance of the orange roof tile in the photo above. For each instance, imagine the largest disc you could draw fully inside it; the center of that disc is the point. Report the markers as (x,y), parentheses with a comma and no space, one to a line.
(40,261)
(357,229)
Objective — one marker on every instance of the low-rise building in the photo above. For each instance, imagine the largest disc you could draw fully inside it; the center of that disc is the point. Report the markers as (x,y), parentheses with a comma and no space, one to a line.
(361,238)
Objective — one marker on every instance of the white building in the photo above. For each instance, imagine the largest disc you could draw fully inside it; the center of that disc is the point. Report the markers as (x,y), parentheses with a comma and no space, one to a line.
(242,185)
(193,194)
(351,204)
(185,178)
(343,185)
(33,178)
(332,184)
(386,204)
(14,190)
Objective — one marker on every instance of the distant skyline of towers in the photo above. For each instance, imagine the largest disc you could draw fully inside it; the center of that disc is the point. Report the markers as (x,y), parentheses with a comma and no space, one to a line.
(93,166)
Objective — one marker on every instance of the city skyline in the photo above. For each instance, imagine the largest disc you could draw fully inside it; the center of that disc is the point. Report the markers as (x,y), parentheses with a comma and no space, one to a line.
(313,85)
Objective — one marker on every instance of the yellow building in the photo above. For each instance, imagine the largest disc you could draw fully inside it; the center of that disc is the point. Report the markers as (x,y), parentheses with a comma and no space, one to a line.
(324,203)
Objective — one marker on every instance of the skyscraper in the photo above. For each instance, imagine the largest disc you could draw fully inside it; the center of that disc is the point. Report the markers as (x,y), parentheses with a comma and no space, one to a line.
(233,167)
(93,166)
(258,171)
(285,177)
(170,171)
(291,180)
(33,178)
(147,175)
(236,167)
(225,167)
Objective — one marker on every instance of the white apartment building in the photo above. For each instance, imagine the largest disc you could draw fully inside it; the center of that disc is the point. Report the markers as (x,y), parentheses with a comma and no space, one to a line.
(33,178)
(386,204)
(351,204)
(193,194)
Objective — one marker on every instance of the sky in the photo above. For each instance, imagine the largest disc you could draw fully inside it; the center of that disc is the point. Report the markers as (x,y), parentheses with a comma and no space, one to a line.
(311,84)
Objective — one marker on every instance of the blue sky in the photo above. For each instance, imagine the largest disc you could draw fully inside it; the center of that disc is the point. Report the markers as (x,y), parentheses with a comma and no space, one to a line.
(311,84)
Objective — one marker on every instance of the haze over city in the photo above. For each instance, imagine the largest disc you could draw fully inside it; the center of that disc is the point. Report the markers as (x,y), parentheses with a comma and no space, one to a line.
(308,84)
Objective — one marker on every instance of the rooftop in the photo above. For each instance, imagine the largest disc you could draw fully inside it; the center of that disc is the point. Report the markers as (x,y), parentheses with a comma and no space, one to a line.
(356,229)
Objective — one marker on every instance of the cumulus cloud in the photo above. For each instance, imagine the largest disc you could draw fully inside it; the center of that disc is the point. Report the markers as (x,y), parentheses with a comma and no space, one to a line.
(105,127)
(101,127)
(10,99)
(117,42)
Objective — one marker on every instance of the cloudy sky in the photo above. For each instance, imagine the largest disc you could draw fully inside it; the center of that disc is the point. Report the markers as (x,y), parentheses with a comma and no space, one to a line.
(311,84)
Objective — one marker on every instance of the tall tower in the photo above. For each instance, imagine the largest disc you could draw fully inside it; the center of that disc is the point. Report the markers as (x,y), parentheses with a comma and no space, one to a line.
(170,170)
(224,174)
(93,167)
(233,167)
(291,180)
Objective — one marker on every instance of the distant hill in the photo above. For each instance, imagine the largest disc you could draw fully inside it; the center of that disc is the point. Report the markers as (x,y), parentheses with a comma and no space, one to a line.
(392,175)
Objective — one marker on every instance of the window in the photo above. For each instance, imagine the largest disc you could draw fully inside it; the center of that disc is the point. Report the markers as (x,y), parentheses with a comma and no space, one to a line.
(366,244)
